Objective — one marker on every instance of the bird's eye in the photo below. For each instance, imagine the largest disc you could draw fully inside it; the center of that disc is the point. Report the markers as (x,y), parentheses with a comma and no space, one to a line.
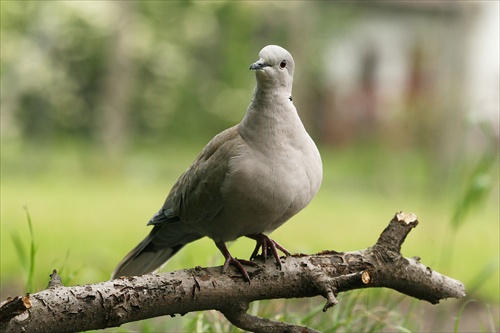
(283,64)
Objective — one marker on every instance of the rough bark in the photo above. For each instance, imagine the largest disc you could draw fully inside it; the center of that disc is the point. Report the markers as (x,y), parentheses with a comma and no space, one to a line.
(113,303)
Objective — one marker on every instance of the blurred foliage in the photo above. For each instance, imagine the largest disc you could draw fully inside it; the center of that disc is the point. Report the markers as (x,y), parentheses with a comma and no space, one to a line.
(135,73)
(146,71)
(186,64)
(481,180)
(155,80)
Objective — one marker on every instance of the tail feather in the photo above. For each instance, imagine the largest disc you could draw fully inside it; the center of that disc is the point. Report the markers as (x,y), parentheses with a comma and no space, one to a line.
(150,254)
(139,262)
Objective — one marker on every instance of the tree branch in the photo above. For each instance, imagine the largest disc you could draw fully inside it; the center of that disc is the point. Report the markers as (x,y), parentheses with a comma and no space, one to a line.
(236,314)
(113,303)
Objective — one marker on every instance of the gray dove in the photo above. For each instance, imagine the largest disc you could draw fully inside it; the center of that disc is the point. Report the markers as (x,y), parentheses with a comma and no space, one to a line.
(247,181)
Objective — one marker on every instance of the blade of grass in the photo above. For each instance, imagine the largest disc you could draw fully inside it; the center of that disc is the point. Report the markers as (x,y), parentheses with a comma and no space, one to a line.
(477,189)
(30,287)
(490,319)
(480,180)
(406,319)
(19,246)
(457,320)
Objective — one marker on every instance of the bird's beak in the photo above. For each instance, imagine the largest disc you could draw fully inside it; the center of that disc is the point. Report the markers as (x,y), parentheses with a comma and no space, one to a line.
(258,65)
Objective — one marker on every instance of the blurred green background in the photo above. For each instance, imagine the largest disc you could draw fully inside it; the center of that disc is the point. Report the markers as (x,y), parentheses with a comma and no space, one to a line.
(104,104)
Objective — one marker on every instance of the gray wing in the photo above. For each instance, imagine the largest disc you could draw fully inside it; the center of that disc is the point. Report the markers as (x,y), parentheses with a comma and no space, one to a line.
(196,196)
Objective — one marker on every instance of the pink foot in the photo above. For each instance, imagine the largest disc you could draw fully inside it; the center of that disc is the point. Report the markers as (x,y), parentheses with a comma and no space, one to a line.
(267,244)
(235,262)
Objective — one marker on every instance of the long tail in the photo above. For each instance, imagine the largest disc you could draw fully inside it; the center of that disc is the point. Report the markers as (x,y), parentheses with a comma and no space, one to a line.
(154,251)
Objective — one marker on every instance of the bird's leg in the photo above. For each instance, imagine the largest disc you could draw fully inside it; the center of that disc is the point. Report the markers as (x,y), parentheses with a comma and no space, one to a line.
(260,242)
(232,261)
(267,243)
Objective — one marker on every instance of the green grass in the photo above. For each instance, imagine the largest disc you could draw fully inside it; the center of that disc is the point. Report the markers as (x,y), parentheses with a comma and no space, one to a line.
(27,260)
(87,210)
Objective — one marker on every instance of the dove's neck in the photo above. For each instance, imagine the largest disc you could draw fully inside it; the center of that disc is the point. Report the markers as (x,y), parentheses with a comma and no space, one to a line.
(272,118)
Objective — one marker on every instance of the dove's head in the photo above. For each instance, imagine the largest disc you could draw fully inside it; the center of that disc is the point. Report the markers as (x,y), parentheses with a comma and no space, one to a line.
(274,68)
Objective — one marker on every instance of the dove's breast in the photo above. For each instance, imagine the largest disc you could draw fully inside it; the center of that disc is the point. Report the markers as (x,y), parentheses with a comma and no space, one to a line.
(264,188)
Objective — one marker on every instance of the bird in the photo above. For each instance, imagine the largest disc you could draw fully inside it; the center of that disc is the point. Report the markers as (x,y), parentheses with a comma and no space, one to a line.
(247,181)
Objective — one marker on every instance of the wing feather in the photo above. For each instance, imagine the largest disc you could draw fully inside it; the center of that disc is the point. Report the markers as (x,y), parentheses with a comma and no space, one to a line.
(196,196)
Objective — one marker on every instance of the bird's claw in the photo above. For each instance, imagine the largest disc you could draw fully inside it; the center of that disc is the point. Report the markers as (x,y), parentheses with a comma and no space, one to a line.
(238,263)
(267,244)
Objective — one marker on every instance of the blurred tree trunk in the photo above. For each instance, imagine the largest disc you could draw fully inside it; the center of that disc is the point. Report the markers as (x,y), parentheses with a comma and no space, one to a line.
(113,119)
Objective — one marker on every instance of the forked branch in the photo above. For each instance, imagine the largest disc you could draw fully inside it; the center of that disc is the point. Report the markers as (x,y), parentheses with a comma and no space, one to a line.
(113,303)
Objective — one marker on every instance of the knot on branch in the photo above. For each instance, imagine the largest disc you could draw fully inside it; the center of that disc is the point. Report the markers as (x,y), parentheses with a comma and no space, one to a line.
(55,280)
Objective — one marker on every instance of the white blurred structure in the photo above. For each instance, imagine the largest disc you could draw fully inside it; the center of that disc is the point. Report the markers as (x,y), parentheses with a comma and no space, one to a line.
(483,63)
(416,68)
